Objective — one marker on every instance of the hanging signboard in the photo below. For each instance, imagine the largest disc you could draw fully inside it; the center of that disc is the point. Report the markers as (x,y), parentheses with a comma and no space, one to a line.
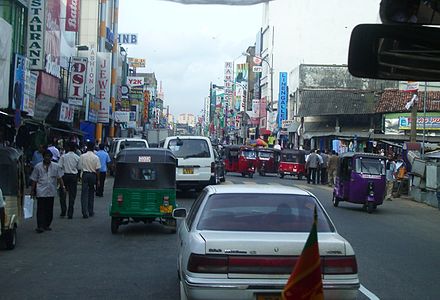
(78,70)
(282,99)
(72,15)
(30,90)
(122,116)
(103,85)
(128,38)
(19,81)
(66,113)
(5,61)
(91,71)
(136,62)
(35,37)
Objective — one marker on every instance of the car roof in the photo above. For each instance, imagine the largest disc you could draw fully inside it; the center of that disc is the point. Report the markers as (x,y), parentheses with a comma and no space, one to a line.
(188,137)
(256,189)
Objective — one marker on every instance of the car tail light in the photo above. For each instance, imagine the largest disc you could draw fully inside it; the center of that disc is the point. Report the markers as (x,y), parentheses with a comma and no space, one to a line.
(120,199)
(335,265)
(208,263)
(213,167)
(166,200)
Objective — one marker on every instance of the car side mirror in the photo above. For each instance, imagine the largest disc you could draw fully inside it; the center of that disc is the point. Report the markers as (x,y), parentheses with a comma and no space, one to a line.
(179,213)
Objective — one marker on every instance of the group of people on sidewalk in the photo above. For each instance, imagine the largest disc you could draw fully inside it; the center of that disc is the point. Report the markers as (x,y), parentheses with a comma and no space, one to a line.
(61,173)
(321,167)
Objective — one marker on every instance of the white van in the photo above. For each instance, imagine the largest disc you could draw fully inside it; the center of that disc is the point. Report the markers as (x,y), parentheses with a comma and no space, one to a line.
(124,143)
(196,161)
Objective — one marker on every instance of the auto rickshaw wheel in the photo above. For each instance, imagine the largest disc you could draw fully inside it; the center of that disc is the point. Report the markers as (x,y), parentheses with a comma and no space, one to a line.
(10,238)
(370,207)
(335,201)
(251,175)
(281,175)
(300,177)
(243,174)
(115,225)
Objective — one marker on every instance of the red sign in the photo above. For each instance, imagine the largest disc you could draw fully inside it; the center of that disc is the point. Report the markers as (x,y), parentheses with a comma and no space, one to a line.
(72,15)
(78,78)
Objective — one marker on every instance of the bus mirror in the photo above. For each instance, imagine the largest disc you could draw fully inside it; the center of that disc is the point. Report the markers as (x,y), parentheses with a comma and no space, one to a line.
(395,52)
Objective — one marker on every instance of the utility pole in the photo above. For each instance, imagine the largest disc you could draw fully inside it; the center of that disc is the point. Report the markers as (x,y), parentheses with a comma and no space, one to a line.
(413,132)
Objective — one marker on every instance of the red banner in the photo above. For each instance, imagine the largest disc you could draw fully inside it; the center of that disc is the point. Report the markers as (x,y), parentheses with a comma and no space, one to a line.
(72,15)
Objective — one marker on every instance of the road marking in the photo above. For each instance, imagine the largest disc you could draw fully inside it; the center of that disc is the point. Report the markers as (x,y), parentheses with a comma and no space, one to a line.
(367,293)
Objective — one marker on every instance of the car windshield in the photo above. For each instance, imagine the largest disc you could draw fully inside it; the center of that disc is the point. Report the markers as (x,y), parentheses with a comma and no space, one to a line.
(133,144)
(249,154)
(189,148)
(264,154)
(262,212)
(290,157)
(370,166)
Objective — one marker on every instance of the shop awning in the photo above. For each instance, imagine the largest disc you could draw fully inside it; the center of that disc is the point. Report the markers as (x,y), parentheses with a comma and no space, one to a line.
(72,131)
(345,134)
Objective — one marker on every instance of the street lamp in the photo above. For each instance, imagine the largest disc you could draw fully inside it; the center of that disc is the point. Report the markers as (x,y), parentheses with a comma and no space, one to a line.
(271,77)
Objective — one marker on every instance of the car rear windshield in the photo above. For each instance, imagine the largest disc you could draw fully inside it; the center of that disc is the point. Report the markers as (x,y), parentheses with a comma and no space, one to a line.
(265,154)
(249,154)
(262,212)
(133,144)
(370,166)
(290,157)
(186,148)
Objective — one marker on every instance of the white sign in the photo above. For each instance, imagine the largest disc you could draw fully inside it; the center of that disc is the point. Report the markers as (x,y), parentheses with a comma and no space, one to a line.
(36,29)
(286,123)
(66,113)
(52,67)
(5,61)
(91,71)
(103,85)
(128,38)
(135,81)
(257,69)
(78,68)
(30,90)
(121,116)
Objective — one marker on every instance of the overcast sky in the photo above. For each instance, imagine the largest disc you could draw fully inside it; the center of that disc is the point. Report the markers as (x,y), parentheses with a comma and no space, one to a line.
(187,45)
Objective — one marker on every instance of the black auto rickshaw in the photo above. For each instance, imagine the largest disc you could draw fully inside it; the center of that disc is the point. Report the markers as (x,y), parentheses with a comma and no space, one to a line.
(12,182)
(144,189)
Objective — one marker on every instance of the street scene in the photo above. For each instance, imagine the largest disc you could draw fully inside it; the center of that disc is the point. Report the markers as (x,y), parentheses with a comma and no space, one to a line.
(396,251)
(219,149)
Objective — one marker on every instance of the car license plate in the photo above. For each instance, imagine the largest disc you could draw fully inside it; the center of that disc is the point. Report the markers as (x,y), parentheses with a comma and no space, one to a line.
(188,170)
(269,297)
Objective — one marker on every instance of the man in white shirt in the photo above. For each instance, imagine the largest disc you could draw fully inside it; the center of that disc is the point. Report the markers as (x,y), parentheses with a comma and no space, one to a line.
(69,162)
(89,165)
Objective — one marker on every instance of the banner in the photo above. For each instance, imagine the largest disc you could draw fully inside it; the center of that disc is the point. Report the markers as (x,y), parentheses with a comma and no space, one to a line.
(92,108)
(5,61)
(431,122)
(66,113)
(72,15)
(78,68)
(91,71)
(36,32)
(122,116)
(136,86)
(30,91)
(103,81)
(19,81)
(282,99)
(52,38)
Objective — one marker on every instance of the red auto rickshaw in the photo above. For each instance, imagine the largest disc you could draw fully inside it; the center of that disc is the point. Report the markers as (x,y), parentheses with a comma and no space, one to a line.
(268,160)
(293,163)
(240,159)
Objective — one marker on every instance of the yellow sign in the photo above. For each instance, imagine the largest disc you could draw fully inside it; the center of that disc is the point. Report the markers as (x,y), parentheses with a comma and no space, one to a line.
(136,62)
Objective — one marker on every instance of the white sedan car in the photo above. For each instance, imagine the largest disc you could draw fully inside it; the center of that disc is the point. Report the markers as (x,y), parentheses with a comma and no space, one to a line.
(241,242)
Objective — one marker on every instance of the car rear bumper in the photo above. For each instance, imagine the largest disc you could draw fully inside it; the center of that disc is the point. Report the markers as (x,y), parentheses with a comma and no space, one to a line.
(225,289)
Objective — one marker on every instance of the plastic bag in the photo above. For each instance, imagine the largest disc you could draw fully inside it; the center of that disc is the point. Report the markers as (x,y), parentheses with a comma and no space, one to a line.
(28,207)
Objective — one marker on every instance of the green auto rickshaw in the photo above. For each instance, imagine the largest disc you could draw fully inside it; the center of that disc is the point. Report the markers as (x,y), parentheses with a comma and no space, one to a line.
(144,189)
(12,181)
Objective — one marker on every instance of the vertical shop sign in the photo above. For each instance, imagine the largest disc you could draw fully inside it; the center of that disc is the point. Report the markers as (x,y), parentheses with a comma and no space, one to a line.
(282,99)
(72,15)
(5,61)
(30,90)
(78,70)
(36,30)
(52,45)
(91,71)
(19,82)
(103,86)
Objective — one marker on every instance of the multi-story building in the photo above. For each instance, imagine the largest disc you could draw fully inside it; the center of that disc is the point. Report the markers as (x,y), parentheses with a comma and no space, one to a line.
(187,118)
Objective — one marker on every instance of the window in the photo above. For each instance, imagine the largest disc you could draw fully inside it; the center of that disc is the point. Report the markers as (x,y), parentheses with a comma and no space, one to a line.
(262,212)
(194,209)
(249,154)
(370,166)
(265,154)
(186,148)
(143,173)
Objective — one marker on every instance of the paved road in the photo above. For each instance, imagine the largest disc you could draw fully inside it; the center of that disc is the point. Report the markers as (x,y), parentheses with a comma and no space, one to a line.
(397,249)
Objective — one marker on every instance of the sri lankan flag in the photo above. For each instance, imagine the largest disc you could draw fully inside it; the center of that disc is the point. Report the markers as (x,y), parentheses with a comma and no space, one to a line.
(305,282)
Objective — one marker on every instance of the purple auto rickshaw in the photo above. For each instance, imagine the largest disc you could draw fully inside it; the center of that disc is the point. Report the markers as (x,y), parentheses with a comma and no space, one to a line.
(360,179)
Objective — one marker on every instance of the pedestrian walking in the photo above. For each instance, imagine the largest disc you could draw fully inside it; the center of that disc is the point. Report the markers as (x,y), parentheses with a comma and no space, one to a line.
(89,165)
(312,164)
(44,178)
(69,163)
(55,152)
(104,159)
(390,172)
(332,167)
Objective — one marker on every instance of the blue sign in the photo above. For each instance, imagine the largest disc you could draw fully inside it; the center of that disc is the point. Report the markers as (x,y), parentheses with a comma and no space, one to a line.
(282,99)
